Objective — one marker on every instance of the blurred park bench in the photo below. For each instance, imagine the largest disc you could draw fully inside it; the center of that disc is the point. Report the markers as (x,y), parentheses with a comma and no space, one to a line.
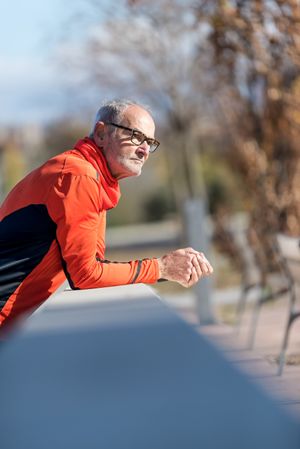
(117,368)
(289,250)
(281,282)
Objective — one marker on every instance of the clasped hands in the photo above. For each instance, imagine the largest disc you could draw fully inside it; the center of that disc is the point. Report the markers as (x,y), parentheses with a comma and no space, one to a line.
(185,266)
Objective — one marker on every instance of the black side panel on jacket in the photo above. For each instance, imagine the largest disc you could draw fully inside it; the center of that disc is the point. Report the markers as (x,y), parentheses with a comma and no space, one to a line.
(25,238)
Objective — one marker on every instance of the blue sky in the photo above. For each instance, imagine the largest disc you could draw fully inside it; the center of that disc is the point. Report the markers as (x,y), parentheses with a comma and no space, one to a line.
(29,81)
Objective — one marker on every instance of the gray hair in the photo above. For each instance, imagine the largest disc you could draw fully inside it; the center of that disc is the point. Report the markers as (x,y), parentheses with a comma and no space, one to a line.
(113,111)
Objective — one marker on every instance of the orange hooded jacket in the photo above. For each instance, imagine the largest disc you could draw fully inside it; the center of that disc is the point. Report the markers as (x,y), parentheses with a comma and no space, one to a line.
(52,226)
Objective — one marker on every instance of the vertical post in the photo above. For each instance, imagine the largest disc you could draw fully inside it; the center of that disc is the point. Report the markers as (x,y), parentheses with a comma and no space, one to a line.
(198,238)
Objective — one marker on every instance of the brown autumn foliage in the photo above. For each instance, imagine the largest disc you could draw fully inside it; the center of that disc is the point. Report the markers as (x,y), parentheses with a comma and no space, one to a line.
(250,62)
(254,59)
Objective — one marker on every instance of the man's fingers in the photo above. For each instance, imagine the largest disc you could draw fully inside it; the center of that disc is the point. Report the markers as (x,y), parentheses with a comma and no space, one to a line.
(202,264)
(189,277)
(199,266)
(201,257)
(185,266)
(193,278)
(209,268)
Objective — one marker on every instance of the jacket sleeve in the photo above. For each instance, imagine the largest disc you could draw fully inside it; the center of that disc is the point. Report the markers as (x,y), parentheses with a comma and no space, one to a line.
(74,205)
(101,236)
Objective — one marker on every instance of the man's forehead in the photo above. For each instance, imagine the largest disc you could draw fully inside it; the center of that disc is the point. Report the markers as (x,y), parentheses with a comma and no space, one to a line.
(138,117)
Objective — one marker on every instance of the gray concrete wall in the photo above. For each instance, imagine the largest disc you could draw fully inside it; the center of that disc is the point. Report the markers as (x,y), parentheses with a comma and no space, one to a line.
(116,368)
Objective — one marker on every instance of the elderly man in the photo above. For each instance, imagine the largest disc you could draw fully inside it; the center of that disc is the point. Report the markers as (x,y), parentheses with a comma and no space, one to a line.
(52,224)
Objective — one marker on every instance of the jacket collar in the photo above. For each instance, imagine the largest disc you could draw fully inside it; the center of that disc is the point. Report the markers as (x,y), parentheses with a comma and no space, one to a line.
(109,184)
(94,155)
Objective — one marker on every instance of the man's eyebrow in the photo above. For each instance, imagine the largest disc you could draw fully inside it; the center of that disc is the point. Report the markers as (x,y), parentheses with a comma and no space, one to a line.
(136,129)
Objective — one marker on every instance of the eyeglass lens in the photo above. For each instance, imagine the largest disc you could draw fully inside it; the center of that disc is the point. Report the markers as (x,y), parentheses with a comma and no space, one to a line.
(138,138)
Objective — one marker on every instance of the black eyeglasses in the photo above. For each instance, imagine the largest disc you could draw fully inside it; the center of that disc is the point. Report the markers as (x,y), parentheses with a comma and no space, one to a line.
(137,137)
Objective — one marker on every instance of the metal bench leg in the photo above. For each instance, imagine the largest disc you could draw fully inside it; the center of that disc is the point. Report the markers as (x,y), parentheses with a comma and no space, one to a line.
(292,316)
(241,305)
(284,346)
(254,321)
(265,297)
(240,309)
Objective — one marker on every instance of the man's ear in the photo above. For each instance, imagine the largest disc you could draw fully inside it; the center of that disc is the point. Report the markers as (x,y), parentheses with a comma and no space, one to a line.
(99,133)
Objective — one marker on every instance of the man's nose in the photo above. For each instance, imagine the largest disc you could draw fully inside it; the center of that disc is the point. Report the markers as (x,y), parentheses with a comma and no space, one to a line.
(145,148)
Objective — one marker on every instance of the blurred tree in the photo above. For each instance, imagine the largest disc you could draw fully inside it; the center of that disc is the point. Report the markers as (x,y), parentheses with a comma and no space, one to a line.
(225,189)
(148,51)
(157,206)
(13,164)
(252,53)
(62,135)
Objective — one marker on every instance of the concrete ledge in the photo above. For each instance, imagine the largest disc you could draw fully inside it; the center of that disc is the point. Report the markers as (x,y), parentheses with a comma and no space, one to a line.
(118,369)
(82,298)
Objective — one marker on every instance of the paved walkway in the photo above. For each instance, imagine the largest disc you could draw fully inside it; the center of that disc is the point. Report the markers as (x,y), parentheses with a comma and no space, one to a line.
(260,363)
